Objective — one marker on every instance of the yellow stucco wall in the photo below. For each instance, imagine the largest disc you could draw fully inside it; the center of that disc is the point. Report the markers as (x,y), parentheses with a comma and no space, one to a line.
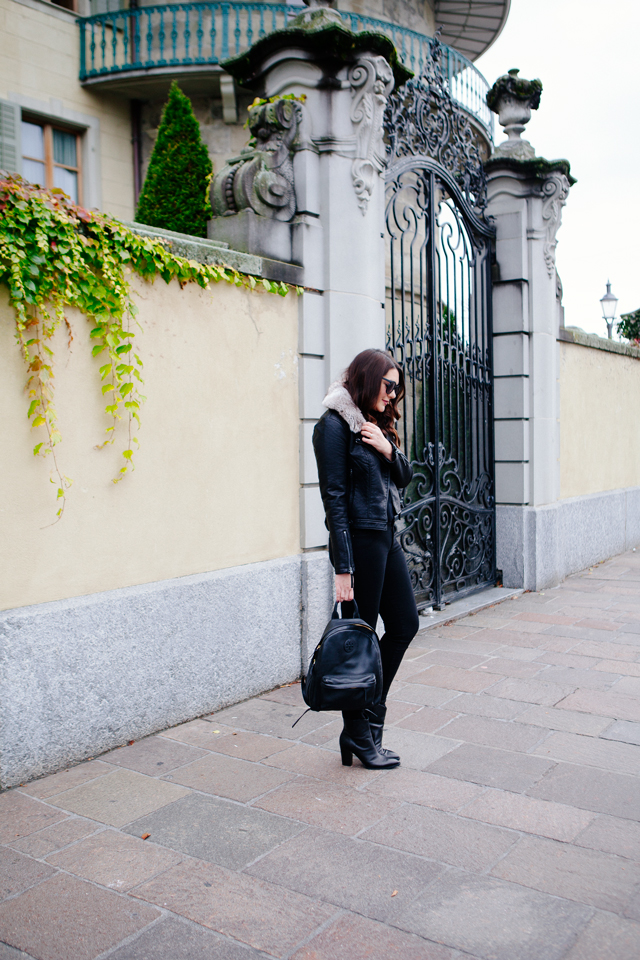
(40,60)
(599,422)
(216,479)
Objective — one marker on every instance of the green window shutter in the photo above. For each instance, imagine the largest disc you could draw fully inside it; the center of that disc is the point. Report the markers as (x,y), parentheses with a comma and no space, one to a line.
(10,152)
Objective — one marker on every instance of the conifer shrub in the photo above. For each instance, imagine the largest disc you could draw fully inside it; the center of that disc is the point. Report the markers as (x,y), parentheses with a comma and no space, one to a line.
(175,195)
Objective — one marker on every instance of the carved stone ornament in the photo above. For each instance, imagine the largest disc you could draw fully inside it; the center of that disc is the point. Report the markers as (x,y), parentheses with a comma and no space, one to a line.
(513,99)
(422,118)
(555,190)
(261,178)
(371,81)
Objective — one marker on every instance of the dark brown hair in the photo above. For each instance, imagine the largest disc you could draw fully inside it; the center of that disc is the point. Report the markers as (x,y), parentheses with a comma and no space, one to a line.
(363,379)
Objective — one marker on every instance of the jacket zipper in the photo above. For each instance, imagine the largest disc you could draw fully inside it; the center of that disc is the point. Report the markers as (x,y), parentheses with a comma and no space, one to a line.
(345,534)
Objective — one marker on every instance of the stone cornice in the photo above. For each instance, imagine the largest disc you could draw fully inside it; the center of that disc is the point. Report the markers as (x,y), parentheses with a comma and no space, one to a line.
(535,168)
(582,339)
(331,43)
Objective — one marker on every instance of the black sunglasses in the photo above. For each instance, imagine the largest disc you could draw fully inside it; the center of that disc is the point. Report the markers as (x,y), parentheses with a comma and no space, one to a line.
(391,386)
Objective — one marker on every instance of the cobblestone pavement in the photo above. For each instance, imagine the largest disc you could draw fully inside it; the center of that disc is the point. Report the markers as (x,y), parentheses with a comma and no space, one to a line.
(510,832)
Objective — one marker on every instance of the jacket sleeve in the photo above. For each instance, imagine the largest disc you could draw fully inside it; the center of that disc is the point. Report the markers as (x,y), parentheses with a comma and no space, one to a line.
(401,469)
(331,447)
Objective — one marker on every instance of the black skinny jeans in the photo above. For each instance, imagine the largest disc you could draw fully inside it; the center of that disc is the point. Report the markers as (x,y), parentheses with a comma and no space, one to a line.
(382,585)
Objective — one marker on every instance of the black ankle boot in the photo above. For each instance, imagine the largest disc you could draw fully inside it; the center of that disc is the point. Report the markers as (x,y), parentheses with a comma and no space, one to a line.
(375,716)
(356,738)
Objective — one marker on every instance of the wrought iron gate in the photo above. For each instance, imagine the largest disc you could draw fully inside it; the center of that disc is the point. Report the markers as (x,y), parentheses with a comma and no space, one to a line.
(439,330)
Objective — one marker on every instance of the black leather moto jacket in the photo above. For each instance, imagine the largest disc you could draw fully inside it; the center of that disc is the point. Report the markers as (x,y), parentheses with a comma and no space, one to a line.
(355,484)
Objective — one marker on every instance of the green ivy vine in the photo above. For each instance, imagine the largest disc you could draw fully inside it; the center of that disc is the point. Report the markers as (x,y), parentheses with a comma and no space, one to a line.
(55,254)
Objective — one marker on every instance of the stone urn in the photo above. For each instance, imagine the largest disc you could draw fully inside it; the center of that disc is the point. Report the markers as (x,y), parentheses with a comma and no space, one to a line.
(513,99)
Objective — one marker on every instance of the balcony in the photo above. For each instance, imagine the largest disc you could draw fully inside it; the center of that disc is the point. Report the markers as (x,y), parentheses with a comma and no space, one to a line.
(137,51)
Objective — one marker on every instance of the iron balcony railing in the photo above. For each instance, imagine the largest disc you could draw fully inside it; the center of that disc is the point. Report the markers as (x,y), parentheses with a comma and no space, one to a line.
(192,34)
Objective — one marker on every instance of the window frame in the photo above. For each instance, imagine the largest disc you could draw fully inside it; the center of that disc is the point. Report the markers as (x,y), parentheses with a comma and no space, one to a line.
(48,126)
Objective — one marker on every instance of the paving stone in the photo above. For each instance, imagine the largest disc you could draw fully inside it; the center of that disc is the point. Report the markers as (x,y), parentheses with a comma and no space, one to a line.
(18,873)
(73,777)
(262,915)
(494,768)
(10,953)
(475,644)
(590,789)
(570,660)
(250,746)
(554,820)
(623,667)
(272,719)
(199,733)
(633,908)
(228,777)
(322,764)
(449,658)
(528,654)
(520,669)
(323,735)
(574,677)
(327,805)
(119,797)
(524,636)
(623,730)
(216,830)
(607,704)
(607,650)
(409,668)
(569,720)
(453,678)
(578,632)
(67,919)
(290,694)
(531,691)
(563,870)
(21,816)
(416,749)
(173,939)
(426,789)
(442,837)
(155,756)
(545,618)
(427,696)
(628,686)
(356,938)
(427,719)
(607,937)
(481,705)
(608,755)
(353,874)
(397,710)
(598,624)
(612,835)
(504,734)
(50,839)
(114,860)
(495,920)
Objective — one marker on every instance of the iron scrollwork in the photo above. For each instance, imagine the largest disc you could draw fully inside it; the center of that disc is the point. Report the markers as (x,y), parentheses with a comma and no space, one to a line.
(422,118)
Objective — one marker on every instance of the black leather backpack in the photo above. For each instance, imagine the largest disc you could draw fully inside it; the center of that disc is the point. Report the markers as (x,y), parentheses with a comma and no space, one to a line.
(345,672)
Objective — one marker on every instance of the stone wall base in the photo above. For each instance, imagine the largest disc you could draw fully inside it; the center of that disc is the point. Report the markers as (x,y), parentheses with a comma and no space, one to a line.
(82,676)
(537,547)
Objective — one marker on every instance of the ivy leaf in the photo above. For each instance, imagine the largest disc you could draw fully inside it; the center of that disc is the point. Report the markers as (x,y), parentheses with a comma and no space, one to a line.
(39,420)
(125,389)
(97,349)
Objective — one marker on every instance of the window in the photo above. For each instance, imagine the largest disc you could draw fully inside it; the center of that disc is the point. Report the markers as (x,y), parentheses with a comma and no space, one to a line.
(51,157)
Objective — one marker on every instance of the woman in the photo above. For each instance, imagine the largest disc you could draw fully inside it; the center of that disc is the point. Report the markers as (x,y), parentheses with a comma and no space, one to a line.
(361,467)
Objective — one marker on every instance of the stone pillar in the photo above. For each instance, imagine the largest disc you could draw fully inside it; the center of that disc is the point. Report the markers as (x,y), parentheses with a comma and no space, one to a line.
(337,233)
(526,195)
(340,82)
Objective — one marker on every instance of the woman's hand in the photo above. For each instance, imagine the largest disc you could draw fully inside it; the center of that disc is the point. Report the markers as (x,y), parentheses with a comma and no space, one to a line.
(373,435)
(344,590)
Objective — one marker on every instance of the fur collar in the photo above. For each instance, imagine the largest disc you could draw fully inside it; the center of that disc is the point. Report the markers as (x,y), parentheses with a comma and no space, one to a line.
(339,399)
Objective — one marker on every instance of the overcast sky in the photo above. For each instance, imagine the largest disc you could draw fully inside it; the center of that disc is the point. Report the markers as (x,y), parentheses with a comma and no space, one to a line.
(586,52)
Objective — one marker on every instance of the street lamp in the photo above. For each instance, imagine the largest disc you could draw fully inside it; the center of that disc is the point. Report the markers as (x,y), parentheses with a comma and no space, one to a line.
(609,304)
